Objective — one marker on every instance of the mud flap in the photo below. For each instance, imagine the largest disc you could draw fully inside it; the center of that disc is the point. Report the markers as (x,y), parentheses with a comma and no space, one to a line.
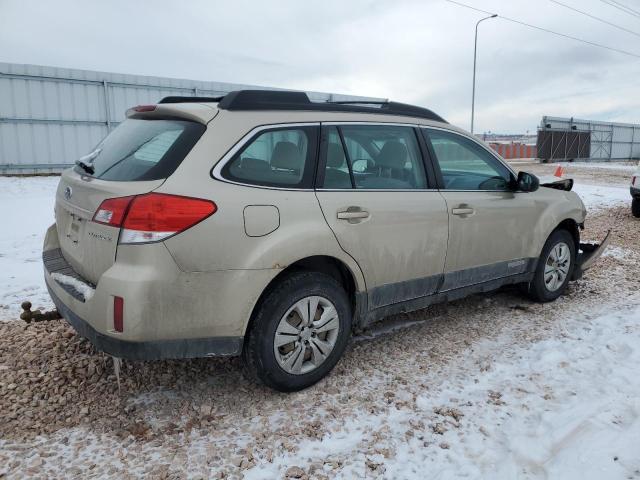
(588,254)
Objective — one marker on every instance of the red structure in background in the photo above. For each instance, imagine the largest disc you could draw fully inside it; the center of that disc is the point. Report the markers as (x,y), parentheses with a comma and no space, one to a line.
(514,150)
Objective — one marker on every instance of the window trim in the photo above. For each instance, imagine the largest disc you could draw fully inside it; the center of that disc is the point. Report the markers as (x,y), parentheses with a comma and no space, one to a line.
(434,160)
(431,177)
(216,170)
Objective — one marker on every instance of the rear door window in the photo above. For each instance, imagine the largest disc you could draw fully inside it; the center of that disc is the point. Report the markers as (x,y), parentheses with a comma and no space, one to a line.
(375,157)
(140,150)
(282,157)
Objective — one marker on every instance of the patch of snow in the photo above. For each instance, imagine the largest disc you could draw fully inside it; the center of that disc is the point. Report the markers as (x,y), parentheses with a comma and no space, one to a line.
(598,197)
(567,407)
(623,254)
(87,291)
(26,211)
(625,167)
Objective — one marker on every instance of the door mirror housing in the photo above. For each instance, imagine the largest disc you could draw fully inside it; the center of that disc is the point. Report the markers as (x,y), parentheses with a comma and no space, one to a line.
(527,182)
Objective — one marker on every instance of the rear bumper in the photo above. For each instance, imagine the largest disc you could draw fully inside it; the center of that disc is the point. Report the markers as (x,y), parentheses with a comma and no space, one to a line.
(152,350)
(168,313)
(635,192)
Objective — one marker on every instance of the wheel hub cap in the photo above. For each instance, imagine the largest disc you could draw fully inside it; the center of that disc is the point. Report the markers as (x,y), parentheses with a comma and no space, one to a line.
(557,266)
(306,335)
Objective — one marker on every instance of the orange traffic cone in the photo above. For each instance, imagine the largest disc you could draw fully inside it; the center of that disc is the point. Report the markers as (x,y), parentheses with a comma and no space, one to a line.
(559,172)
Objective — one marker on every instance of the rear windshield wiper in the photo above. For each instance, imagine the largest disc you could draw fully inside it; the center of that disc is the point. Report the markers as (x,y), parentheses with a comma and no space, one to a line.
(85,162)
(85,166)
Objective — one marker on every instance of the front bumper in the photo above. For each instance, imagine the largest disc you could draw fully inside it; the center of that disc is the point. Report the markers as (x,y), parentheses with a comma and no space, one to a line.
(588,254)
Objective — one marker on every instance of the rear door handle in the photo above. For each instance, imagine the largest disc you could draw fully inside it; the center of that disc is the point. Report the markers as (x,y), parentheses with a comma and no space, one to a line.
(352,214)
(463,211)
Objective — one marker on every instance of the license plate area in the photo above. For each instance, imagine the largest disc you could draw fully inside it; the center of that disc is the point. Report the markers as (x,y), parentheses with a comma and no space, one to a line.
(75,227)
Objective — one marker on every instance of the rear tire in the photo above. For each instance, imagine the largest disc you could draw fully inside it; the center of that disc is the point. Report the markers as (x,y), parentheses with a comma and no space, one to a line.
(555,267)
(635,207)
(288,349)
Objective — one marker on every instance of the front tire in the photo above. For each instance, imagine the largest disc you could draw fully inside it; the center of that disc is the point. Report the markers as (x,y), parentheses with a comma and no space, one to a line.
(299,332)
(555,267)
(635,207)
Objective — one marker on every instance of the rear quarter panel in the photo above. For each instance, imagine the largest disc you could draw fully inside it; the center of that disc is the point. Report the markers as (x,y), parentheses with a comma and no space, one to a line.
(221,242)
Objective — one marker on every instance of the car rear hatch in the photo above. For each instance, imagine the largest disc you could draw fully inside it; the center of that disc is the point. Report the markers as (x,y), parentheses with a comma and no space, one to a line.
(132,160)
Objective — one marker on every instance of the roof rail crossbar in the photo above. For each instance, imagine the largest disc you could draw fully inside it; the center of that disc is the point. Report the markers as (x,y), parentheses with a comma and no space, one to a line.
(356,102)
(177,99)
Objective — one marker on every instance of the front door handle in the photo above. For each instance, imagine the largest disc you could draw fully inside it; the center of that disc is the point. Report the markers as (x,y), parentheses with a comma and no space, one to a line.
(463,209)
(352,214)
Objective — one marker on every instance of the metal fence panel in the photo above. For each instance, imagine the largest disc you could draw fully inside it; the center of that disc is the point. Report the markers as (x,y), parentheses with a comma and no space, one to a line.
(608,140)
(50,116)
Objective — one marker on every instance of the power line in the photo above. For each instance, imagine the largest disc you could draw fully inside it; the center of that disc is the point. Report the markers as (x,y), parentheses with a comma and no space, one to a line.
(626,7)
(621,7)
(519,22)
(595,18)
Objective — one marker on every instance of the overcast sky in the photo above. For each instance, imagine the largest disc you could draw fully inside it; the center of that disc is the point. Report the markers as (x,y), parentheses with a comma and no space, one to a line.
(411,51)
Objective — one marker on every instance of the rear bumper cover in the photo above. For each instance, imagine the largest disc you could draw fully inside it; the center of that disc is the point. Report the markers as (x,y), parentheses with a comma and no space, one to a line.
(635,192)
(588,254)
(151,350)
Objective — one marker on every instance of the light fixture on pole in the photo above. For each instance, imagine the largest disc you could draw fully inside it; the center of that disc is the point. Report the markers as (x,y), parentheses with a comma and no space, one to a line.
(475,51)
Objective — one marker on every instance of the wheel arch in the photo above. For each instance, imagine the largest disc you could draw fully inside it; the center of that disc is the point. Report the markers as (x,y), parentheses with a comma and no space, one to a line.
(570,225)
(351,281)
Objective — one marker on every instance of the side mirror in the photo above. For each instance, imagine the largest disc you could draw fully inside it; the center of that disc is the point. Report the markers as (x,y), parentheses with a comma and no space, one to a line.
(527,182)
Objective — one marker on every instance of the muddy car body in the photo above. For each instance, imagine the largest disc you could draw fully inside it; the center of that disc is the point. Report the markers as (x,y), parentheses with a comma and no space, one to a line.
(267,225)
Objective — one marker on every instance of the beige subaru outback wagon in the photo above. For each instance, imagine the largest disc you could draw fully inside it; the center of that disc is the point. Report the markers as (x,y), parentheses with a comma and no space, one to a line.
(265,225)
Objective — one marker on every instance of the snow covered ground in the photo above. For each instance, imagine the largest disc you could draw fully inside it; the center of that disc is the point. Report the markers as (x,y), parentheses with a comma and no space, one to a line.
(26,211)
(567,407)
(491,387)
(620,166)
(599,197)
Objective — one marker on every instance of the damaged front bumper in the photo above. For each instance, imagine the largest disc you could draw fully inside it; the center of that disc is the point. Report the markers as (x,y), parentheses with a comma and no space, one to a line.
(588,254)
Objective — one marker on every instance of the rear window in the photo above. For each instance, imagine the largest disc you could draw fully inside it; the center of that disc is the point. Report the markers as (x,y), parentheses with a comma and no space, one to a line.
(282,157)
(143,149)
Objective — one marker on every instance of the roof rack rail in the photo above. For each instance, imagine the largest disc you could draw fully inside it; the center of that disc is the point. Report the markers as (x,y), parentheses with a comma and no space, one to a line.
(248,100)
(177,99)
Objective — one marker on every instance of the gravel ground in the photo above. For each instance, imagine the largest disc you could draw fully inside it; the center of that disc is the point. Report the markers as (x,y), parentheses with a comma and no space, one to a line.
(64,413)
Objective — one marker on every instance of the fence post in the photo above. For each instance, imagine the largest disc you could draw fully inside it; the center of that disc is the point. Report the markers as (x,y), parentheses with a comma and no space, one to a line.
(107,110)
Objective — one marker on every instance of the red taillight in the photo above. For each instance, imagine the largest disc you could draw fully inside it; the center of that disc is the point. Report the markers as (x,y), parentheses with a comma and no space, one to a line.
(154,216)
(118,314)
(633,181)
(112,211)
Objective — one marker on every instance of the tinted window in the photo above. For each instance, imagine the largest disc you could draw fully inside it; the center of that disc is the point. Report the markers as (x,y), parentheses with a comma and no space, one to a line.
(465,165)
(282,157)
(143,149)
(378,156)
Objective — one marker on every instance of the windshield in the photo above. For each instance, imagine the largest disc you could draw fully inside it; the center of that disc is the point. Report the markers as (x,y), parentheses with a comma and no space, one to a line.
(142,149)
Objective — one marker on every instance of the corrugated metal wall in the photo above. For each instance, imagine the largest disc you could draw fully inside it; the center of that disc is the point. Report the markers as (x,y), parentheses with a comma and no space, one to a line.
(609,141)
(51,116)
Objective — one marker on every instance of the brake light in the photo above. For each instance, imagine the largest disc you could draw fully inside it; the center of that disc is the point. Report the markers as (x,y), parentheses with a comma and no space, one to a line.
(154,216)
(633,181)
(112,211)
(144,108)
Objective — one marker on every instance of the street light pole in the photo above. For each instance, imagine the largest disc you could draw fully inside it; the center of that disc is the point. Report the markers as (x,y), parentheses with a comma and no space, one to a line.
(475,51)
